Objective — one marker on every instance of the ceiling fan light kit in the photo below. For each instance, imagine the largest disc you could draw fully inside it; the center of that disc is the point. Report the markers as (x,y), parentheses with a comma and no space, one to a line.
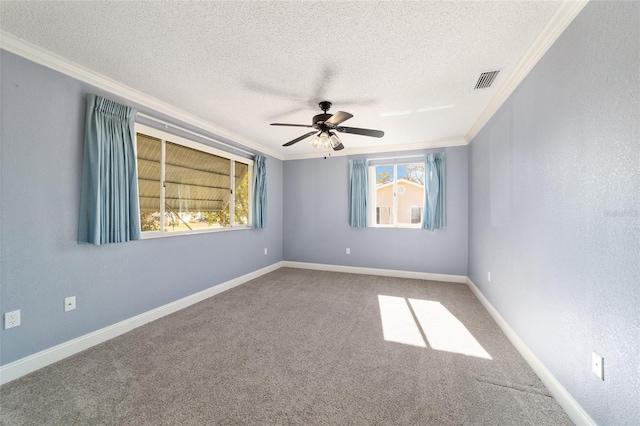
(325,124)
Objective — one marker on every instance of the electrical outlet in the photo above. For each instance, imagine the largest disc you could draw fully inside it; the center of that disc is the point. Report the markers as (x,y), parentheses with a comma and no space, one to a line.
(69,303)
(597,365)
(265,250)
(11,319)
(489,276)
(348,250)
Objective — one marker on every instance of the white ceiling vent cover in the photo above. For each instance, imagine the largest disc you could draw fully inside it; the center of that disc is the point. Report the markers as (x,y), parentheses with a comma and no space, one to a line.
(486,79)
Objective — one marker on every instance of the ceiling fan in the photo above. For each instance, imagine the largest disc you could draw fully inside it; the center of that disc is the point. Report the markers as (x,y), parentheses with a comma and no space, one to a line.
(326,125)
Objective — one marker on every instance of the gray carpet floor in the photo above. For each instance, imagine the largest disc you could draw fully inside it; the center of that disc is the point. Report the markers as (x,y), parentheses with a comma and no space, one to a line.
(293,347)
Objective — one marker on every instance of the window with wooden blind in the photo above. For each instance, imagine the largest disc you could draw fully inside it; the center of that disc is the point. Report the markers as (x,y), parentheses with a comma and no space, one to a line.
(189,187)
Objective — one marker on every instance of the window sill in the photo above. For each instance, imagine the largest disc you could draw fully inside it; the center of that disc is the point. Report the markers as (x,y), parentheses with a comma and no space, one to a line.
(158,234)
(417,226)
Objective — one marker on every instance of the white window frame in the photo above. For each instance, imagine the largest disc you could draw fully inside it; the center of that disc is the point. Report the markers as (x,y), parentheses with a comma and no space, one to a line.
(165,136)
(394,207)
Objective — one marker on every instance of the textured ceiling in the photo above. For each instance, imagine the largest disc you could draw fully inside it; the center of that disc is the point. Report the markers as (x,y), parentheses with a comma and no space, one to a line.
(407,68)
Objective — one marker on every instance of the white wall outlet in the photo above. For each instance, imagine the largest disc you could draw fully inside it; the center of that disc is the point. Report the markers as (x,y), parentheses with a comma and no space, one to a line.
(348,250)
(69,303)
(489,276)
(265,250)
(597,365)
(11,319)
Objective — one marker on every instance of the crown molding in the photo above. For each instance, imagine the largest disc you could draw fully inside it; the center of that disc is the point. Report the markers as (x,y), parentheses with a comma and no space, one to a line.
(388,148)
(36,54)
(562,17)
(43,57)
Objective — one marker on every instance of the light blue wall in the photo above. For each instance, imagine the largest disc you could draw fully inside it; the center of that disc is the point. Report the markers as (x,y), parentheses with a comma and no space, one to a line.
(554,190)
(551,201)
(42,120)
(316,221)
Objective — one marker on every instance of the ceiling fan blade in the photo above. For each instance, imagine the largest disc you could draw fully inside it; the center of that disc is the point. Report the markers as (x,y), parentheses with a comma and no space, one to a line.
(338,118)
(290,125)
(296,140)
(363,132)
(338,147)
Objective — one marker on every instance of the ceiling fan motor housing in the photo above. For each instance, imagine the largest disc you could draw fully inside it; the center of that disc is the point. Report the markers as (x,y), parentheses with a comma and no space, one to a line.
(320,118)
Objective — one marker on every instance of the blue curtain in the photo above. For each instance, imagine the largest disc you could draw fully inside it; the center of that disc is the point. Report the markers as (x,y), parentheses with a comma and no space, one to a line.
(259,208)
(435,201)
(109,207)
(359,192)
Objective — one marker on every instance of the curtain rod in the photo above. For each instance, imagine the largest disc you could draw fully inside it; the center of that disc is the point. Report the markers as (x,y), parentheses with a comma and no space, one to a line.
(157,120)
(397,158)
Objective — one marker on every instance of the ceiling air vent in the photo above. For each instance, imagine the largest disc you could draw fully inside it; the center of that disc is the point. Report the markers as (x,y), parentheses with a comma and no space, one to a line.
(486,79)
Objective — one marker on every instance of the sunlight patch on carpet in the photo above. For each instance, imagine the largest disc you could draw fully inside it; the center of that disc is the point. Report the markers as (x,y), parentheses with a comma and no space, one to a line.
(398,324)
(406,321)
(444,331)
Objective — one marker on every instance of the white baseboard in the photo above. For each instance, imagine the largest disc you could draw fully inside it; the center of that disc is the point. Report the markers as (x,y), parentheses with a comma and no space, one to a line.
(373,271)
(41,359)
(575,412)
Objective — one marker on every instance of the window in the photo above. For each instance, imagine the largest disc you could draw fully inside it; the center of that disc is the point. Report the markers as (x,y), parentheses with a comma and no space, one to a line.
(397,194)
(187,187)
